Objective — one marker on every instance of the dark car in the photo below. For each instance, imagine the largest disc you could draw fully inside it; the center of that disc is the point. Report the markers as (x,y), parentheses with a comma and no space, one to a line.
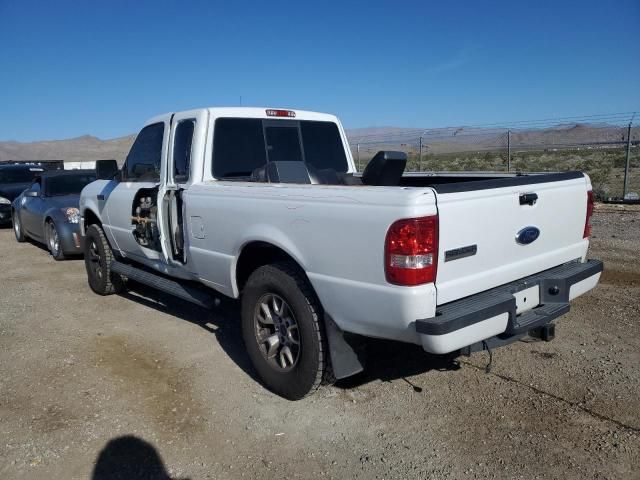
(48,211)
(13,180)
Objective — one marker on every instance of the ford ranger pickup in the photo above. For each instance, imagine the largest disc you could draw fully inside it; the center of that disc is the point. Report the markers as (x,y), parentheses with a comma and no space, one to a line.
(266,205)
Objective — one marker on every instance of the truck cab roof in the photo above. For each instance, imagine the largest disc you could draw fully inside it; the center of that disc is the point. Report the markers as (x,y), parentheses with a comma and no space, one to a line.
(251,112)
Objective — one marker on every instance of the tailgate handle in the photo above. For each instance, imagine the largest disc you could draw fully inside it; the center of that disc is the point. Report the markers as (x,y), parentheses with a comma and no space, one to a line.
(528,198)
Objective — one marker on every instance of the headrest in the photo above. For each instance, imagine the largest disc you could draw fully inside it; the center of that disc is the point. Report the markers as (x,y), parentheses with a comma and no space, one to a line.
(287,172)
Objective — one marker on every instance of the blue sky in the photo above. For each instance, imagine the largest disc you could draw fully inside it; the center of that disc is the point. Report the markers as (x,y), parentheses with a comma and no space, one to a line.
(102,68)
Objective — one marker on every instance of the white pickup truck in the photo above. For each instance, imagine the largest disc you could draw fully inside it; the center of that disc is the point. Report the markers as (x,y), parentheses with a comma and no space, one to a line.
(265,205)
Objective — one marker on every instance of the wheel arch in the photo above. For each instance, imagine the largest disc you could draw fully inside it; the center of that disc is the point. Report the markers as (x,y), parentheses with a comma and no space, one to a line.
(90,218)
(50,215)
(255,254)
(343,358)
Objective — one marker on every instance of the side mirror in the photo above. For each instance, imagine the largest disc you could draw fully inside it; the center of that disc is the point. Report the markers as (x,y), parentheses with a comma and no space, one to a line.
(31,193)
(107,170)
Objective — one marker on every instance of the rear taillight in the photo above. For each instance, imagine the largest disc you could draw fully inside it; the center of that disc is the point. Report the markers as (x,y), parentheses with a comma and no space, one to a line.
(411,251)
(587,222)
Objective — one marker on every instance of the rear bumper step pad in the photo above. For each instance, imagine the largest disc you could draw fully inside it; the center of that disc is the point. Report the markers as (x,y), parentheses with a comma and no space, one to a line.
(555,285)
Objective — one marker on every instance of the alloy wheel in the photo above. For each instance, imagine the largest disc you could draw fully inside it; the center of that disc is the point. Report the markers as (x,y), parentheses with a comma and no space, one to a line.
(54,240)
(277,332)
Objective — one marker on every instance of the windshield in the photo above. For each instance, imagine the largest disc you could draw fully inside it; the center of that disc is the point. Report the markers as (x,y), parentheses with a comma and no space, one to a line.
(67,184)
(16,175)
(240,145)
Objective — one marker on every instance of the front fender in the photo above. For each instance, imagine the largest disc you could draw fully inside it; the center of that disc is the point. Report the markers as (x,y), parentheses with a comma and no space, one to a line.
(69,233)
(17,203)
(92,198)
(55,214)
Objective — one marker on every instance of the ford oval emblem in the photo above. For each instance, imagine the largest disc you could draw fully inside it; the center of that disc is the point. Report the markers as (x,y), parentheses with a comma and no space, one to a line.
(527,235)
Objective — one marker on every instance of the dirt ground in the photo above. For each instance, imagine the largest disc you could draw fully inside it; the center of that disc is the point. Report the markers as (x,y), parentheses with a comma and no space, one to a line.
(152,387)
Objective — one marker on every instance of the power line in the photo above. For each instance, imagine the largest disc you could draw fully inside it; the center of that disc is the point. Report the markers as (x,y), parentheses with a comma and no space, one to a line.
(611,120)
(457,131)
(573,119)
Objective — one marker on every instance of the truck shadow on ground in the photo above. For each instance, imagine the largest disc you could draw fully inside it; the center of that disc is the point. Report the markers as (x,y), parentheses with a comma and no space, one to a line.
(384,360)
(223,320)
(387,361)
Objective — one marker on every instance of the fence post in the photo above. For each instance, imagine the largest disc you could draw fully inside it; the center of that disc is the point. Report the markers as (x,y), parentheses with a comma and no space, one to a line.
(508,150)
(626,163)
(420,156)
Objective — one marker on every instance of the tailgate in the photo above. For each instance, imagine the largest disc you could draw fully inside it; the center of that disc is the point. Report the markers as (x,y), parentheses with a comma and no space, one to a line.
(479,223)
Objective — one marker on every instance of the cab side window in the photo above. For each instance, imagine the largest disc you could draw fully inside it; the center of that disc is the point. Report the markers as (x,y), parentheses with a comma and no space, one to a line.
(238,147)
(143,161)
(182,143)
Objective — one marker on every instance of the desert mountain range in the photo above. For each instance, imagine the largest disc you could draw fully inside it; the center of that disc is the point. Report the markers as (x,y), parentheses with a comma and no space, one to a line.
(87,147)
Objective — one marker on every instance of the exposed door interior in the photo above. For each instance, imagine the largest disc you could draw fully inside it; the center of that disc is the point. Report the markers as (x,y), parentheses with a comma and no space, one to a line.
(138,191)
(178,175)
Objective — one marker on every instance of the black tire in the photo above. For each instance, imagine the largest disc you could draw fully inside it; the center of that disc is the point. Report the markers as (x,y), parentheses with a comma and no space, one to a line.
(17,227)
(287,282)
(97,260)
(53,241)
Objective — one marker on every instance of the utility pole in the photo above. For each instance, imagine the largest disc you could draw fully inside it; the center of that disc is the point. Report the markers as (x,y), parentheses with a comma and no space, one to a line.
(420,156)
(508,150)
(626,163)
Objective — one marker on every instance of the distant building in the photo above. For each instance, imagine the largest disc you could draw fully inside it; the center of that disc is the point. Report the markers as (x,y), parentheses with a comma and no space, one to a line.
(80,165)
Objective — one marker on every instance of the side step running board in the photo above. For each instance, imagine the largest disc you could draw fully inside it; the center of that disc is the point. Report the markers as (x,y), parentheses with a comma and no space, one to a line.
(159,282)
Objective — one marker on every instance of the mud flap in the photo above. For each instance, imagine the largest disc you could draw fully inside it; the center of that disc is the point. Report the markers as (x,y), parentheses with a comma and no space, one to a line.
(344,355)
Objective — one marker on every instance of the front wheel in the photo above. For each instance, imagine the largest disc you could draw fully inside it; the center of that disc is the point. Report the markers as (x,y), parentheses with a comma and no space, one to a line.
(283,330)
(97,260)
(53,241)
(17,227)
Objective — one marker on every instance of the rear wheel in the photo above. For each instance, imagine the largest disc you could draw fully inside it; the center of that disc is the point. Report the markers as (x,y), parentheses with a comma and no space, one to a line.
(283,330)
(53,241)
(97,259)
(17,227)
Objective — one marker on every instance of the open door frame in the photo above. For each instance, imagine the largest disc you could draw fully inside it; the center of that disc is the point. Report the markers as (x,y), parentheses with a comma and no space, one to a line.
(170,207)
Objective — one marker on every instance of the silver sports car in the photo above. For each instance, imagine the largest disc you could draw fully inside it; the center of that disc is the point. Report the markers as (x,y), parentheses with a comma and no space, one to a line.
(47,211)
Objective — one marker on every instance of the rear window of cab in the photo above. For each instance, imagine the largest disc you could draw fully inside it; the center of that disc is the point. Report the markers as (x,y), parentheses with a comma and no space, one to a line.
(241,145)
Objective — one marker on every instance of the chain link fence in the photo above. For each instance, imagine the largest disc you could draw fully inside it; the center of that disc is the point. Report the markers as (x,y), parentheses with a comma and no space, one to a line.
(607,147)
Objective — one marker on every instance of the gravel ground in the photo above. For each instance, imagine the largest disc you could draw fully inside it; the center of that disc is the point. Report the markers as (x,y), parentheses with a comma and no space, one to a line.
(91,385)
